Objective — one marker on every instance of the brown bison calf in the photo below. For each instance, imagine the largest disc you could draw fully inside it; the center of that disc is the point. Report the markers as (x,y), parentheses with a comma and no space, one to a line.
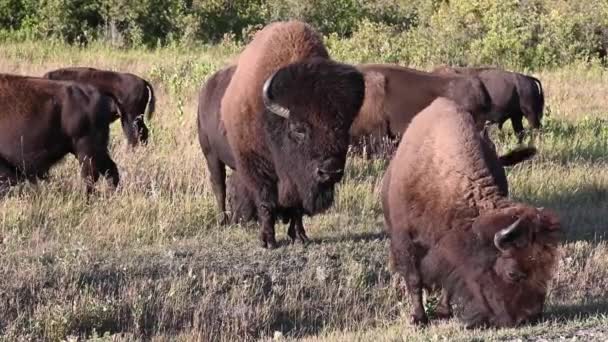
(395,94)
(134,95)
(513,95)
(287,112)
(42,120)
(452,226)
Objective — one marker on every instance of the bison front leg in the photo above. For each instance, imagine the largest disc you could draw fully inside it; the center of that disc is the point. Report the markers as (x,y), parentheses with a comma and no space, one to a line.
(108,168)
(94,162)
(267,216)
(405,263)
(518,126)
(8,176)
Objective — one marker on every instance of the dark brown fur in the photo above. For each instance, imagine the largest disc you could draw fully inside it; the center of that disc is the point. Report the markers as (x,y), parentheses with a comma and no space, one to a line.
(42,120)
(395,94)
(514,95)
(444,198)
(290,162)
(135,95)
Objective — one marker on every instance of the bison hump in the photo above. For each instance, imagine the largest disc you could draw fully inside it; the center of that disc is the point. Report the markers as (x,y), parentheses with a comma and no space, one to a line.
(273,47)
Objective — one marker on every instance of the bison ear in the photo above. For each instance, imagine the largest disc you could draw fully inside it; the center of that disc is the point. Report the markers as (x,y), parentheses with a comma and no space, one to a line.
(516,235)
(269,100)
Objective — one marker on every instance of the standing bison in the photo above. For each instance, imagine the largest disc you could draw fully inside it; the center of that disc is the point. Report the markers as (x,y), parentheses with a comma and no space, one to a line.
(135,95)
(41,121)
(395,94)
(513,95)
(452,226)
(287,113)
(215,147)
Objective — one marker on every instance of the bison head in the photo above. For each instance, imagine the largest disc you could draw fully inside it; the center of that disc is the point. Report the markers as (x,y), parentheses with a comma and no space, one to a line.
(520,250)
(310,107)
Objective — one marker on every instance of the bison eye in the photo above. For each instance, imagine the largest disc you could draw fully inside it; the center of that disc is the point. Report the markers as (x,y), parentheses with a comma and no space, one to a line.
(298,132)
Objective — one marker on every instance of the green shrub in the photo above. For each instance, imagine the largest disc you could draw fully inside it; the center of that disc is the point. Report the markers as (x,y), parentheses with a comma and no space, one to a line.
(520,34)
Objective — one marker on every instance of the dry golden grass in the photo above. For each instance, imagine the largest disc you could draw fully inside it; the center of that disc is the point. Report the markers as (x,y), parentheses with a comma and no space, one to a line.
(150,261)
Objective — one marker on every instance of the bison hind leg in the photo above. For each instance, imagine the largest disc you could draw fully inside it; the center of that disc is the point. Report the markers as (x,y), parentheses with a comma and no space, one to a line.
(444,308)
(296,229)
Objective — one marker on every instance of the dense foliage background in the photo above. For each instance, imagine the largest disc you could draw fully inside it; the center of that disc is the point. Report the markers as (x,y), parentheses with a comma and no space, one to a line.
(528,34)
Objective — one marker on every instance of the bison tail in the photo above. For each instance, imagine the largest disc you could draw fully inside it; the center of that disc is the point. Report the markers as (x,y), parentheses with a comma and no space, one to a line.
(517,156)
(540,101)
(151,106)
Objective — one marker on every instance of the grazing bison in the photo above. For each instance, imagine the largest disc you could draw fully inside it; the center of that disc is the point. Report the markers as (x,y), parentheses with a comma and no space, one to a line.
(135,95)
(287,112)
(513,95)
(42,120)
(452,226)
(395,94)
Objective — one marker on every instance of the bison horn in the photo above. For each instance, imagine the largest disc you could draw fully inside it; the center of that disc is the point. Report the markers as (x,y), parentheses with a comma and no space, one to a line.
(269,102)
(503,234)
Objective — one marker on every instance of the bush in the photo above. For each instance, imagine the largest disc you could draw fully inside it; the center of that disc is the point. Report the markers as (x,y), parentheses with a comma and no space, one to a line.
(511,33)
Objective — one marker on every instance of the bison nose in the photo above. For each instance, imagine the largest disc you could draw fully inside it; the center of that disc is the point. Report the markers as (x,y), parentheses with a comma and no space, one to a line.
(329,171)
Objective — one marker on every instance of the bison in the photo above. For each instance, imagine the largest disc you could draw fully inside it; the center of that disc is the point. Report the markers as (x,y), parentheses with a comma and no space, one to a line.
(215,147)
(395,94)
(453,227)
(43,120)
(287,113)
(134,94)
(513,95)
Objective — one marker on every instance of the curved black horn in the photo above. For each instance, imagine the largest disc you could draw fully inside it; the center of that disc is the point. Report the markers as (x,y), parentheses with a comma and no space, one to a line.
(503,234)
(268,101)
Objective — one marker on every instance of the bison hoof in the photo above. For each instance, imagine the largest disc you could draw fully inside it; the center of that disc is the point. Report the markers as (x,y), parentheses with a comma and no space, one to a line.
(443,313)
(419,320)
(303,239)
(270,244)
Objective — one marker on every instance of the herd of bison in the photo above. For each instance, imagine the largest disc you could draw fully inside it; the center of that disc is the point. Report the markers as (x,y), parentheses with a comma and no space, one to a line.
(283,117)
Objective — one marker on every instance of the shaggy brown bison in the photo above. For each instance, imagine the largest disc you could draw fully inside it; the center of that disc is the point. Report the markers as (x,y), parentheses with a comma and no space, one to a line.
(513,95)
(287,113)
(215,147)
(395,94)
(42,120)
(135,95)
(452,226)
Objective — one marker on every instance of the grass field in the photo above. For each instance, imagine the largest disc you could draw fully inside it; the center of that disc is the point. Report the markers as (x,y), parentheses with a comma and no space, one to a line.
(150,261)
